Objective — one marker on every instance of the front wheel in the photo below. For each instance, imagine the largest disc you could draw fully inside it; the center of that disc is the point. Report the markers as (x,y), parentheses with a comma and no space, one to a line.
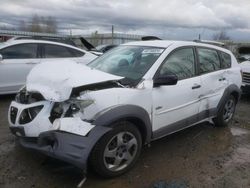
(117,151)
(226,112)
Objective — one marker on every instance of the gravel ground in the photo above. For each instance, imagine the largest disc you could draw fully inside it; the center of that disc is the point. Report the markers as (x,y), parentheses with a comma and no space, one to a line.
(201,156)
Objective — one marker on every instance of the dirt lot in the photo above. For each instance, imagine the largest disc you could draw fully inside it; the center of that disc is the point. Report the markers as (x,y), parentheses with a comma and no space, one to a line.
(202,156)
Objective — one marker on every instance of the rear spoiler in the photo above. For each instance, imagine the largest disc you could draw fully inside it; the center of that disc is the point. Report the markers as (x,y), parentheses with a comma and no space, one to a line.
(150,38)
(88,45)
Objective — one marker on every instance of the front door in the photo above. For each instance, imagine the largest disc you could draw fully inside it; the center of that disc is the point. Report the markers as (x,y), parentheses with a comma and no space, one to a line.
(177,106)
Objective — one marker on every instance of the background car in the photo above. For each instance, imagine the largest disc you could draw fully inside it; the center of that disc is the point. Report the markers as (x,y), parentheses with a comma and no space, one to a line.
(245,66)
(18,57)
(105,47)
(242,58)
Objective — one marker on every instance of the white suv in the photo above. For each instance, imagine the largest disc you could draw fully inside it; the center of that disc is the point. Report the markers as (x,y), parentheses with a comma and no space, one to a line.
(102,114)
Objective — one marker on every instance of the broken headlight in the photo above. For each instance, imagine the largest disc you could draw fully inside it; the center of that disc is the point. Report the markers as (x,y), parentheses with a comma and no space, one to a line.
(77,106)
(68,108)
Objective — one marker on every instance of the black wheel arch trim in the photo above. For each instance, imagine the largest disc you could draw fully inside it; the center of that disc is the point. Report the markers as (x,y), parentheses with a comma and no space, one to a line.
(230,90)
(71,148)
(126,112)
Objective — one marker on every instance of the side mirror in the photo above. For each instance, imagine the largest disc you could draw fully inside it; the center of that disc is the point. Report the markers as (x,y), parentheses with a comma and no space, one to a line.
(1,57)
(165,80)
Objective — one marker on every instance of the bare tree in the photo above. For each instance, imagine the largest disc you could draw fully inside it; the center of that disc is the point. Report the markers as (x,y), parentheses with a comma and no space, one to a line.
(35,24)
(7,28)
(50,25)
(39,24)
(22,26)
(221,35)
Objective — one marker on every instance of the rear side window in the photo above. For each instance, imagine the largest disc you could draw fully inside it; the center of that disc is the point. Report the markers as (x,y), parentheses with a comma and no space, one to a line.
(77,53)
(209,60)
(20,51)
(181,63)
(225,60)
(56,51)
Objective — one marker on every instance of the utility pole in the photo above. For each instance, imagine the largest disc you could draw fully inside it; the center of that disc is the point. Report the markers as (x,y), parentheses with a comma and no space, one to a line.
(112,36)
(70,33)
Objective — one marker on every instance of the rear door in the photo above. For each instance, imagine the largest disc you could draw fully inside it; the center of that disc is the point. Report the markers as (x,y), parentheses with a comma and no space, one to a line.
(213,80)
(17,62)
(53,52)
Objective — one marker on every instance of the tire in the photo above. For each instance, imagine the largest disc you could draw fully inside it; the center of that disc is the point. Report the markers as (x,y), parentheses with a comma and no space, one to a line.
(117,151)
(226,112)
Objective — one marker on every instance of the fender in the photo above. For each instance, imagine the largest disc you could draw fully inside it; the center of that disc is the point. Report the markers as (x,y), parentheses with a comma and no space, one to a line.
(228,91)
(116,113)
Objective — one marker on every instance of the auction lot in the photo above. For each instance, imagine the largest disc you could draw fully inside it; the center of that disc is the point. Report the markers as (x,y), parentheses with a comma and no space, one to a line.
(201,156)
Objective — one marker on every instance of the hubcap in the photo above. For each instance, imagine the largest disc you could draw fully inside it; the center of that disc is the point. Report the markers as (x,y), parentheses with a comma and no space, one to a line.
(229,110)
(120,151)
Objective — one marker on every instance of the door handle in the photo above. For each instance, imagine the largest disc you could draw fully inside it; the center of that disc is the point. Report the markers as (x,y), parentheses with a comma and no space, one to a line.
(222,79)
(196,86)
(30,63)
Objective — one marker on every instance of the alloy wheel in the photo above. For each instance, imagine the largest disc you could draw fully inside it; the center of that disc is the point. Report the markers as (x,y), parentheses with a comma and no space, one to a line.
(120,151)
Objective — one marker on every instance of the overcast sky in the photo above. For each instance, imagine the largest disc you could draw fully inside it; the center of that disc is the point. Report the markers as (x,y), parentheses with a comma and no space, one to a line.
(172,19)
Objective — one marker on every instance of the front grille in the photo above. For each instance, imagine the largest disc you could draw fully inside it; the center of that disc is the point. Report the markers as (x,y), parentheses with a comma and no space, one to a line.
(246,77)
(13,114)
(29,114)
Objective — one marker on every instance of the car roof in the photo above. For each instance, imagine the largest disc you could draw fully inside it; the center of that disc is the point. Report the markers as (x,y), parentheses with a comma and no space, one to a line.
(167,43)
(23,41)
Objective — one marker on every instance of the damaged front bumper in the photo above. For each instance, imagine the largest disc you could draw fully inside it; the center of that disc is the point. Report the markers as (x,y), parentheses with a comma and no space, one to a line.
(65,146)
(69,139)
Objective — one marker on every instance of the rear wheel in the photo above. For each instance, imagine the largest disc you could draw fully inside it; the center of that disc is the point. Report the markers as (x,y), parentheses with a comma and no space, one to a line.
(226,112)
(117,151)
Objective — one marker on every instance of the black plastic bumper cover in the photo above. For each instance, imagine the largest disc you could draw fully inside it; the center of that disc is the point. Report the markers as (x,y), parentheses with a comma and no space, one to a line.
(18,131)
(245,89)
(67,147)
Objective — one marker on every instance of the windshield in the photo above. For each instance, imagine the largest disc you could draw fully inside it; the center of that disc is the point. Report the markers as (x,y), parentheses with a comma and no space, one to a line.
(127,61)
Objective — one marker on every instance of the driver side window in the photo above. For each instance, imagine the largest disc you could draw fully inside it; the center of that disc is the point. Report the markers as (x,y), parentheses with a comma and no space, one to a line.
(181,63)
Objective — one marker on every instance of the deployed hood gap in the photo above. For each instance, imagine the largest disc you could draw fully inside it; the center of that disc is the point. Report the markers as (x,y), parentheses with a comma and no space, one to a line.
(94,87)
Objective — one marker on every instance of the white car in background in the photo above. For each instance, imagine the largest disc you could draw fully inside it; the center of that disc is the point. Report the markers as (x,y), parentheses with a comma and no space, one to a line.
(18,57)
(245,67)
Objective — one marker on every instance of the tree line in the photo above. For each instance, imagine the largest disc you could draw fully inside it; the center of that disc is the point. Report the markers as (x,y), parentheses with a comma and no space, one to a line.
(41,24)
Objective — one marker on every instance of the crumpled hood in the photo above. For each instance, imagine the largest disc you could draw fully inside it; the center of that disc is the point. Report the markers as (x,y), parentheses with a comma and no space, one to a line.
(56,79)
(245,66)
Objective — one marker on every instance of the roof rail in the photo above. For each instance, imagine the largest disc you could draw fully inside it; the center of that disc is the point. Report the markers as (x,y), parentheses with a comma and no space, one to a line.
(146,38)
(216,43)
